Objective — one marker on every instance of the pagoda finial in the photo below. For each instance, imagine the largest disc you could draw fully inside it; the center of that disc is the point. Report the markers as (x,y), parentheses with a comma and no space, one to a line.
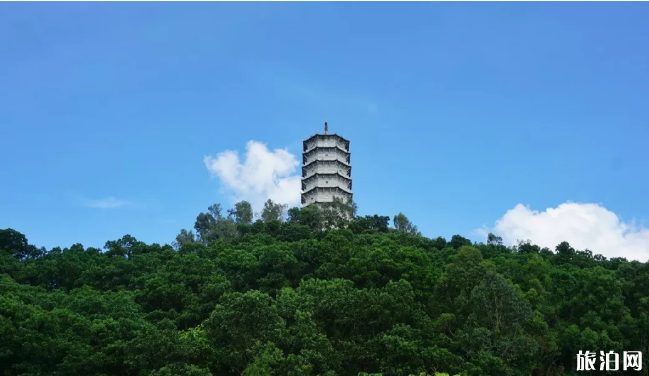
(326,128)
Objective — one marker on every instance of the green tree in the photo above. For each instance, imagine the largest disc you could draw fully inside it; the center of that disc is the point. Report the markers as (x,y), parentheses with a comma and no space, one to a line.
(213,225)
(184,237)
(403,224)
(204,226)
(314,295)
(239,323)
(272,211)
(241,213)
(494,240)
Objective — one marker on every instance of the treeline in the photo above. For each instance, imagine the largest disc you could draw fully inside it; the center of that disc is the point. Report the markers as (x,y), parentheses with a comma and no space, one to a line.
(308,291)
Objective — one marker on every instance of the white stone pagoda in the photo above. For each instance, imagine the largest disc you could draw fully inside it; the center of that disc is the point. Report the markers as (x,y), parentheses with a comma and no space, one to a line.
(326,169)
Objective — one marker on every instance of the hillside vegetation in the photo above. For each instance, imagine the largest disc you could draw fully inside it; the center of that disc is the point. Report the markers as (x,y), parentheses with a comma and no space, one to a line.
(312,294)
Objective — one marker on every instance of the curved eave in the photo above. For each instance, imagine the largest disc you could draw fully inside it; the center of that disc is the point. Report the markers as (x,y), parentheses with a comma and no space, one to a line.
(307,152)
(333,135)
(334,188)
(327,160)
(318,202)
(308,178)
(303,199)
(324,161)
(317,161)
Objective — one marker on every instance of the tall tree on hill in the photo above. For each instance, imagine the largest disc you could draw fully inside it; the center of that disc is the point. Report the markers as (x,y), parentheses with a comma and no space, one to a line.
(241,213)
(494,240)
(213,225)
(310,215)
(205,222)
(15,244)
(184,237)
(272,211)
(403,224)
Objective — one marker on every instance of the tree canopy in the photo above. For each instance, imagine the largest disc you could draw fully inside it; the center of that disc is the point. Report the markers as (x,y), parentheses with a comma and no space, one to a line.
(312,291)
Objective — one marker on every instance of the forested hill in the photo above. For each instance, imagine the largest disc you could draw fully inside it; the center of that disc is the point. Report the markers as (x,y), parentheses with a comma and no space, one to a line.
(295,297)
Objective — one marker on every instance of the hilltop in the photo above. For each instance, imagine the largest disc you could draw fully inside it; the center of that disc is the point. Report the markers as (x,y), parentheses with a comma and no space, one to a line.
(311,293)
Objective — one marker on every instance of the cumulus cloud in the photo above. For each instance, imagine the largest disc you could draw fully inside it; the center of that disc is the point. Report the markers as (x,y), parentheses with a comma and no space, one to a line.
(583,225)
(263,174)
(106,203)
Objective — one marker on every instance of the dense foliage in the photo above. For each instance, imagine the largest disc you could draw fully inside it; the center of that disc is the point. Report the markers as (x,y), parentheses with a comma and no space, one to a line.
(312,294)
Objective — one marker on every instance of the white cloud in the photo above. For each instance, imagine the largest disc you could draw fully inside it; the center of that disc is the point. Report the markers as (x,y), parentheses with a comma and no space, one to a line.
(262,175)
(583,225)
(106,203)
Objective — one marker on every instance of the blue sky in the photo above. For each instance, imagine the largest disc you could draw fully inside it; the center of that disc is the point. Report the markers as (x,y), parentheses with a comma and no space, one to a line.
(457,113)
